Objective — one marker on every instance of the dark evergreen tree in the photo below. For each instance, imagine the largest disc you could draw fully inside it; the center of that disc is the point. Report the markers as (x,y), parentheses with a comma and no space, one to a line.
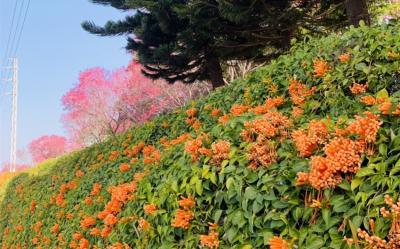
(181,40)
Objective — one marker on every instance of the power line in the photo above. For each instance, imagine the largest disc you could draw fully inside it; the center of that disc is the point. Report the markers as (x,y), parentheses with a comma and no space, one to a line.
(10,31)
(22,29)
(16,29)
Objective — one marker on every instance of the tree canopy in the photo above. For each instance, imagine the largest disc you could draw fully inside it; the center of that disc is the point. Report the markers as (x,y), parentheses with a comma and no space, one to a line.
(180,40)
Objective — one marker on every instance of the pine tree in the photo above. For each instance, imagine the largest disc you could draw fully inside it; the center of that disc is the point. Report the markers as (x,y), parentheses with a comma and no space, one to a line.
(181,40)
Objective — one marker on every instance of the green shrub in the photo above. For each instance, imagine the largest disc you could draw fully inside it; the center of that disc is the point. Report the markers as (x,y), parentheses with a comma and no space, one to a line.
(250,206)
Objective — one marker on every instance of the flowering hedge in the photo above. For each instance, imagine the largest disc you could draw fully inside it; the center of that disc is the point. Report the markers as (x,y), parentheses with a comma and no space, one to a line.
(300,154)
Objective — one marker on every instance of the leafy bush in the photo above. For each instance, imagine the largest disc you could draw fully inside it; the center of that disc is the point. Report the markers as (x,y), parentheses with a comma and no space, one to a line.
(245,159)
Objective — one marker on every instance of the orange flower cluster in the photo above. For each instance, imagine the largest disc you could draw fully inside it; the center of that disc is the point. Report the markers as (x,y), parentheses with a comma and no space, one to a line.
(54,229)
(238,110)
(119,245)
(135,150)
(365,127)
(220,151)
(150,209)
(88,222)
(124,167)
(270,103)
(368,100)
(278,243)
(191,112)
(144,225)
(33,206)
(297,112)
(262,153)
(321,67)
(373,241)
(79,173)
(96,189)
(216,112)
(343,155)
(258,127)
(113,155)
(210,240)
(184,215)
(223,119)
(194,147)
(273,123)
(119,196)
(64,188)
(151,154)
(299,92)
(359,88)
(344,57)
(307,141)
(181,139)
(385,107)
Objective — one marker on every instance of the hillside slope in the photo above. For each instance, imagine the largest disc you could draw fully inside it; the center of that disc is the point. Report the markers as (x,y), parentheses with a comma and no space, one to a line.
(305,148)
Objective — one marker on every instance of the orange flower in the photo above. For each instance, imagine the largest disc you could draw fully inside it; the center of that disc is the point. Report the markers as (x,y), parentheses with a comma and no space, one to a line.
(79,173)
(19,228)
(274,102)
(302,178)
(88,201)
(385,107)
(262,153)
(144,225)
(297,112)
(150,209)
(358,88)
(106,231)
(344,155)
(210,240)
(187,203)
(344,57)
(321,67)
(322,175)
(182,219)
(84,244)
(54,229)
(33,206)
(216,112)
(299,92)
(220,151)
(88,222)
(397,111)
(368,100)
(191,112)
(278,243)
(77,236)
(307,141)
(96,189)
(223,119)
(124,167)
(95,232)
(110,220)
(69,216)
(366,127)
(238,110)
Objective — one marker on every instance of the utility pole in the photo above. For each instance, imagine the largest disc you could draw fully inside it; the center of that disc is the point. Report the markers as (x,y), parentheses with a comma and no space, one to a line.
(14,117)
(14,114)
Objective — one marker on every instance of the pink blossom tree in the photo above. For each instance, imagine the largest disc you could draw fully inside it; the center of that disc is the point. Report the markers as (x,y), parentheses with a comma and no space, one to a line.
(46,147)
(107,103)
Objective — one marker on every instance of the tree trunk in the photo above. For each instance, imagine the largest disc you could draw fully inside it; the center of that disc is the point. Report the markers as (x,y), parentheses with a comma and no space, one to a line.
(214,70)
(357,10)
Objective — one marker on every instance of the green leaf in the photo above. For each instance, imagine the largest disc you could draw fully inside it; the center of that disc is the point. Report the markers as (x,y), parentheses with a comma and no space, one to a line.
(355,183)
(382,94)
(250,193)
(365,172)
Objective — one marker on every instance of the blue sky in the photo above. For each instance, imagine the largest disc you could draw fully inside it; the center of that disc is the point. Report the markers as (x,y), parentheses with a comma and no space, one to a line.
(52,52)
